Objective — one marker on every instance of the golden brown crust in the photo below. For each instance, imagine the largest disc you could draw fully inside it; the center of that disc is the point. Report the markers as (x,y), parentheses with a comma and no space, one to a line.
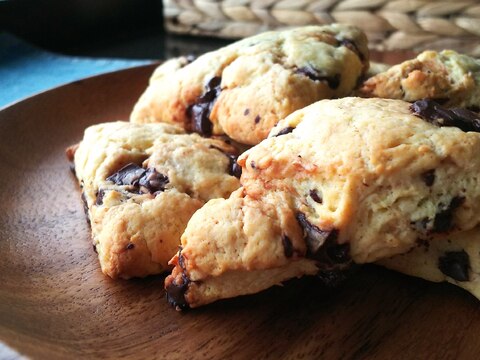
(262,79)
(348,179)
(137,224)
(449,77)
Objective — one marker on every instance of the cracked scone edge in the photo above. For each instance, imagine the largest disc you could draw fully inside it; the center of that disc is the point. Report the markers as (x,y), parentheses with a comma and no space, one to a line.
(263,79)
(361,156)
(136,230)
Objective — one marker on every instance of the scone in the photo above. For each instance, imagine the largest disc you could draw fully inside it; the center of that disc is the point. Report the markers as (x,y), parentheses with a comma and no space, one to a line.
(244,89)
(339,182)
(141,184)
(452,257)
(448,77)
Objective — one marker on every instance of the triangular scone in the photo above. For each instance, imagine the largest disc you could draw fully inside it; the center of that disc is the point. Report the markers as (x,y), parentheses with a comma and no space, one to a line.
(141,184)
(448,77)
(242,90)
(451,257)
(341,181)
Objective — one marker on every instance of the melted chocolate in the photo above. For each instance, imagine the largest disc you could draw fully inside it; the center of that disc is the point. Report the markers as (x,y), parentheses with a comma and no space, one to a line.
(435,114)
(153,181)
(130,174)
(443,221)
(353,47)
(315,197)
(100,195)
(338,253)
(285,131)
(233,168)
(287,246)
(322,244)
(142,180)
(257,119)
(443,218)
(199,113)
(455,264)
(314,75)
(176,291)
(428,177)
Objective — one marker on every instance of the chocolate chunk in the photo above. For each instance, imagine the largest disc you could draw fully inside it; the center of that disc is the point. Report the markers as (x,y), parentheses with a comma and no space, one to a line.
(428,177)
(443,218)
(313,74)
(233,168)
(315,197)
(130,246)
(435,114)
(130,174)
(85,207)
(176,291)
(455,264)
(246,112)
(338,253)
(284,131)
(353,47)
(314,236)
(142,180)
(100,195)
(95,248)
(287,246)
(153,181)
(199,113)
(257,119)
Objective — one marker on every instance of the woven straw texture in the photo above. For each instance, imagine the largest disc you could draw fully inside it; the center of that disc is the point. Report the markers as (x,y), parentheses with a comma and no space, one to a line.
(389,24)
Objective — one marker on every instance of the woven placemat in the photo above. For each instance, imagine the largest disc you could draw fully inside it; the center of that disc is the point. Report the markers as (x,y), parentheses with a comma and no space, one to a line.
(389,24)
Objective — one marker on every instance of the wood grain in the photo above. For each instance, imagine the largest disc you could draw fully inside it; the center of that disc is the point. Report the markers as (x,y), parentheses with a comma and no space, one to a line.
(55,303)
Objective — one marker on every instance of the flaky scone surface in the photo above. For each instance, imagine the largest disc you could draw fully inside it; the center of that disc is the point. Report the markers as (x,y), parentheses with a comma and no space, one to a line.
(343,180)
(141,184)
(242,90)
(446,76)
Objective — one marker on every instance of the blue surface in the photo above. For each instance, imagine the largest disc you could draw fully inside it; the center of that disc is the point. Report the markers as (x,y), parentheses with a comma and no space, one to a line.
(26,70)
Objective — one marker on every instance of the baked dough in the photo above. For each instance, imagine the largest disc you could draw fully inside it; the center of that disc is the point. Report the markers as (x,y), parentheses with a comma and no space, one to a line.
(141,184)
(244,89)
(448,77)
(339,182)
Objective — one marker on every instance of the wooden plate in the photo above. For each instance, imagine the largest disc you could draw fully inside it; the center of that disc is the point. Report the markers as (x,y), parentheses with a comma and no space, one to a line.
(55,303)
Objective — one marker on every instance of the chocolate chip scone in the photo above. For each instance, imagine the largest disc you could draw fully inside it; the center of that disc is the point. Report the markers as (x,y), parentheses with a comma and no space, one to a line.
(447,76)
(244,89)
(451,257)
(141,184)
(336,183)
